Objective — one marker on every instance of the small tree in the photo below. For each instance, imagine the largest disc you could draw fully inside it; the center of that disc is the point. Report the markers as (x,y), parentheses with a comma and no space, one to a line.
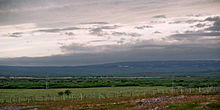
(67,92)
(60,93)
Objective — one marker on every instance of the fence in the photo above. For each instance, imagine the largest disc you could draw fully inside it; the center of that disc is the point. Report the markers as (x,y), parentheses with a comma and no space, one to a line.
(81,96)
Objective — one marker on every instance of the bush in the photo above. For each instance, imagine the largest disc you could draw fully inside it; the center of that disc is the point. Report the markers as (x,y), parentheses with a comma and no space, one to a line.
(67,92)
(60,93)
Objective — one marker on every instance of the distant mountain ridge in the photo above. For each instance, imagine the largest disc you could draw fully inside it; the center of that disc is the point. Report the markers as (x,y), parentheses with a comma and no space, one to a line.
(143,68)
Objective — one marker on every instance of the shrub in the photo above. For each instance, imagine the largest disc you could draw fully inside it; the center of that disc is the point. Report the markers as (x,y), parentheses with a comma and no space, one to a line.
(60,93)
(67,92)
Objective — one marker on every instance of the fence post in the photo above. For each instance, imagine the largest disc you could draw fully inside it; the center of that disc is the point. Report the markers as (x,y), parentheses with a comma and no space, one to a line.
(10,100)
(27,99)
(81,96)
(63,97)
(19,99)
(72,97)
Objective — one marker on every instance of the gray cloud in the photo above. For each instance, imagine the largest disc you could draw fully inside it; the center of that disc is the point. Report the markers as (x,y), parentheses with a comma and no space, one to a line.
(216,25)
(176,22)
(159,16)
(157,32)
(69,33)
(58,30)
(96,41)
(199,25)
(99,30)
(95,23)
(126,34)
(143,27)
(194,35)
(192,21)
(158,21)
(15,34)
(55,14)
(194,15)
(114,54)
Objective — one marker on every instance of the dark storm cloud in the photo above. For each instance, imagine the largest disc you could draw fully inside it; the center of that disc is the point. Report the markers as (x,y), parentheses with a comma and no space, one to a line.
(143,27)
(159,16)
(216,25)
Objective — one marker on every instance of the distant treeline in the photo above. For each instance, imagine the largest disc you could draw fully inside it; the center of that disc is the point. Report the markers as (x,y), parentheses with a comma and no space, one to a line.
(105,82)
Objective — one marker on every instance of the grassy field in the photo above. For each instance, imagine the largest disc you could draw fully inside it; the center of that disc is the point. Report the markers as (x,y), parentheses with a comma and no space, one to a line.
(197,101)
(86,92)
(104,93)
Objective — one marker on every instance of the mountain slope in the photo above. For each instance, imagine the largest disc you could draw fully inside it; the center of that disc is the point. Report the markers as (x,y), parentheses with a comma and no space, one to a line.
(145,68)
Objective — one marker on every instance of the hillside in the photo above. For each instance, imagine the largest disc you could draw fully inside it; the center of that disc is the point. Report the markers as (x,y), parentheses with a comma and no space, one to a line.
(209,68)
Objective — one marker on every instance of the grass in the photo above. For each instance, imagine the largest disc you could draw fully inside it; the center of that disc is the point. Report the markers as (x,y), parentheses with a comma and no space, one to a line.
(195,101)
(86,92)
(206,105)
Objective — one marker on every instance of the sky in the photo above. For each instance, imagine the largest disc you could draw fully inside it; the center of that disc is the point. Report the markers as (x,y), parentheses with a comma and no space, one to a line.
(85,32)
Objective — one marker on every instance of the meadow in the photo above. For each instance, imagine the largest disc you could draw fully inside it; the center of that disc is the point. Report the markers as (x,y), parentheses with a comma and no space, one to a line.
(78,93)
(101,92)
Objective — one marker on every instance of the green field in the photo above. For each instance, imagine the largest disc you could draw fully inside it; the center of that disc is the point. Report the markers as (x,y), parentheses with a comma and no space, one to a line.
(103,92)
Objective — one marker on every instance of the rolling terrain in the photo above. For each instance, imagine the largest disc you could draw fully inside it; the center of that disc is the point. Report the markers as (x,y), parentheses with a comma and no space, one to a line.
(208,68)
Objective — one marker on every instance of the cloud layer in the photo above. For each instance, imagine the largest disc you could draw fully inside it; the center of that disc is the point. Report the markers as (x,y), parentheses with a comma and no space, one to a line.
(76,32)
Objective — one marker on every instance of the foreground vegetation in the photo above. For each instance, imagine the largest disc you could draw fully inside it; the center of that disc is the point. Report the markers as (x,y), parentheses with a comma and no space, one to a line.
(195,101)
(111,93)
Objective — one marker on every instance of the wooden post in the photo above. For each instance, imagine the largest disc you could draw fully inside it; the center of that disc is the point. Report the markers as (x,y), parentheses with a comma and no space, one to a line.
(81,96)
(19,99)
(99,96)
(10,100)
(28,99)
(72,97)
(63,97)
(121,94)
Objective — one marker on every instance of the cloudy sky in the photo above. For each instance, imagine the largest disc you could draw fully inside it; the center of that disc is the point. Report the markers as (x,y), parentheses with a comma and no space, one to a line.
(82,32)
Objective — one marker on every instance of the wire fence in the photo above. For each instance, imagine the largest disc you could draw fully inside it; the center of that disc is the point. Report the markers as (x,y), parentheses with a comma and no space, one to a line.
(83,96)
